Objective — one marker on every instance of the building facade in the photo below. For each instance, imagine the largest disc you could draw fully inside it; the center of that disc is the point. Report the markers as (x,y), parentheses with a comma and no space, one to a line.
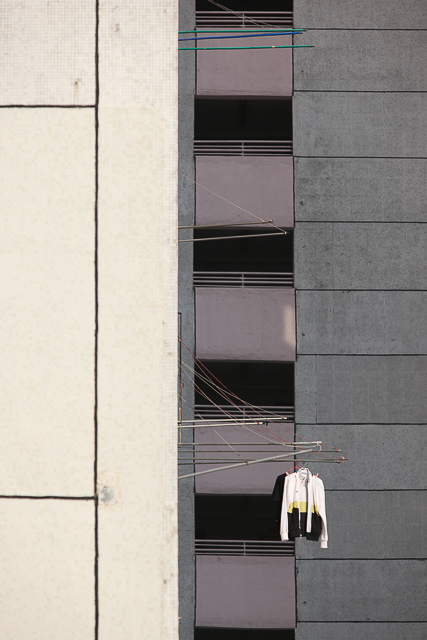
(88,139)
(330,143)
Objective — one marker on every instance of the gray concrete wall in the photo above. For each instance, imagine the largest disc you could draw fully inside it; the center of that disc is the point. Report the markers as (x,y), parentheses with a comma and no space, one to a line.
(360,124)
(250,592)
(361,370)
(186,206)
(371,60)
(360,189)
(365,631)
(365,14)
(246,323)
(362,322)
(245,73)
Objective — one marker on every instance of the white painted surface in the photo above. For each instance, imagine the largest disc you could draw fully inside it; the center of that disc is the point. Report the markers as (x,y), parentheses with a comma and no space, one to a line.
(47,566)
(47,52)
(138,319)
(245,323)
(47,301)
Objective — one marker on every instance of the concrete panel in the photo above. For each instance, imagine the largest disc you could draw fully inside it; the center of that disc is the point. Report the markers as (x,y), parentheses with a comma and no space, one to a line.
(357,631)
(254,479)
(359,590)
(245,73)
(245,323)
(360,124)
(137,345)
(245,592)
(360,256)
(372,524)
(47,308)
(374,456)
(370,389)
(381,14)
(355,189)
(47,52)
(262,186)
(362,322)
(305,389)
(362,61)
(47,555)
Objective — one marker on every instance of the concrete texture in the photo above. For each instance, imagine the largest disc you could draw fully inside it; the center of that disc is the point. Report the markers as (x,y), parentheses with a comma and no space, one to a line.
(363,389)
(255,479)
(137,295)
(360,124)
(362,322)
(47,52)
(381,14)
(374,455)
(245,592)
(261,185)
(357,631)
(372,524)
(360,189)
(47,551)
(360,256)
(245,323)
(357,590)
(349,60)
(245,73)
(186,216)
(47,274)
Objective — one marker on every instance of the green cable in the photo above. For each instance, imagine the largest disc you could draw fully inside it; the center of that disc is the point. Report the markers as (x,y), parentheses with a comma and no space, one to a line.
(291,46)
(240,30)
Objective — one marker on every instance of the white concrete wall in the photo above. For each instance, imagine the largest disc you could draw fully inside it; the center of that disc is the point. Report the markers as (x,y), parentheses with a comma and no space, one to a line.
(88,320)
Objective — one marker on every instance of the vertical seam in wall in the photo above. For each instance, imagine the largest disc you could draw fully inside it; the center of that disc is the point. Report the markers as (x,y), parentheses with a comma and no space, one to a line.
(95,469)
(295,293)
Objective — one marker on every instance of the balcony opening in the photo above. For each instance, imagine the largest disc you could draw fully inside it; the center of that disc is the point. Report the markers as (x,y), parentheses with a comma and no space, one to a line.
(246,5)
(268,385)
(244,261)
(234,517)
(243,127)
(210,633)
(256,13)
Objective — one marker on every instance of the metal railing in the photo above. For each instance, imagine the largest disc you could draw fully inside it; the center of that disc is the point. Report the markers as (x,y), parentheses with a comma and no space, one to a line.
(243,147)
(244,548)
(242,279)
(246,20)
(268,413)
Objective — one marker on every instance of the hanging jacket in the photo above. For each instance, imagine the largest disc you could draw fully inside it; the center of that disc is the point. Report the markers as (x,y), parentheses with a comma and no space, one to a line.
(304,518)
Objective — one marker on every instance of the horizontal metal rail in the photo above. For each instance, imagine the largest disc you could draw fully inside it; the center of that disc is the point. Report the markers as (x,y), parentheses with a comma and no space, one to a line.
(243,147)
(262,414)
(244,548)
(222,19)
(242,279)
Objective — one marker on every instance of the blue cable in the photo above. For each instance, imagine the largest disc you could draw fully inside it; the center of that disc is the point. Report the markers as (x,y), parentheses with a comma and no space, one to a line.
(252,35)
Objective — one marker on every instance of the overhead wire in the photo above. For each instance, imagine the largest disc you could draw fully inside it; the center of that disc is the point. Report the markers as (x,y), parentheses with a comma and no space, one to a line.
(224,394)
(232,203)
(195,359)
(259,23)
(249,35)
